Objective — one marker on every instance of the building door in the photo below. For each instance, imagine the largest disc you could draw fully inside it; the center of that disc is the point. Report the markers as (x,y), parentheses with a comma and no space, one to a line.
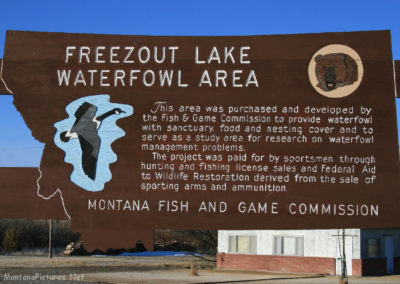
(389,254)
(349,255)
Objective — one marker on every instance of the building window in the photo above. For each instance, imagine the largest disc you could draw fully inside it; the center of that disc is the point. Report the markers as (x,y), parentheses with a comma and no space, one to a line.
(285,245)
(243,244)
(373,247)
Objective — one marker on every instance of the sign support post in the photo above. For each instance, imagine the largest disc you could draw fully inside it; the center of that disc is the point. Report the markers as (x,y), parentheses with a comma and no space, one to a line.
(50,238)
(344,267)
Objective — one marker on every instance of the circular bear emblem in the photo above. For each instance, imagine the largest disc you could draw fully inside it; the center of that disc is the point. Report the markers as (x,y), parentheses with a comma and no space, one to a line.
(335,71)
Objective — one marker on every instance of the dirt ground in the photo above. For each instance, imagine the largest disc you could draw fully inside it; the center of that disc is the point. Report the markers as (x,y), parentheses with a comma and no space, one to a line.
(146,270)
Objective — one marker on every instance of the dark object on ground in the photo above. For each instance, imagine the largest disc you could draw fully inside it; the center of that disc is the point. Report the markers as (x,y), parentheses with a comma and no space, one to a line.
(175,246)
(139,248)
(75,249)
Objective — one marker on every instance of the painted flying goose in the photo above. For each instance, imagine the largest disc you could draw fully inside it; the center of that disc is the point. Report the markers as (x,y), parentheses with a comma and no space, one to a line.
(85,129)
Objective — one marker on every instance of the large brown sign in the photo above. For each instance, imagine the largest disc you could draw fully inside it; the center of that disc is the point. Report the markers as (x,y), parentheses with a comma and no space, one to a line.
(252,132)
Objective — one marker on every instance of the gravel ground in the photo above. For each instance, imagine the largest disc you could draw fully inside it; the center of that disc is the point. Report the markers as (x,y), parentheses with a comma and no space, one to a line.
(183,276)
(147,270)
(72,269)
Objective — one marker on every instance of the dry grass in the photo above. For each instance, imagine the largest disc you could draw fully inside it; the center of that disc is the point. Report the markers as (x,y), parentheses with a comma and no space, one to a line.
(15,261)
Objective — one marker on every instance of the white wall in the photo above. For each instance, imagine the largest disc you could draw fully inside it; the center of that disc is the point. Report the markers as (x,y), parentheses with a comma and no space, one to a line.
(317,243)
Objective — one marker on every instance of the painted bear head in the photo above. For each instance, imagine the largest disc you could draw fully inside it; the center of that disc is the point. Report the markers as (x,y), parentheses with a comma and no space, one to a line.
(335,70)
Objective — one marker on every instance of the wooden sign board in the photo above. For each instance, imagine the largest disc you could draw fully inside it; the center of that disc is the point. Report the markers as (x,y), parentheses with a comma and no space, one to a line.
(248,132)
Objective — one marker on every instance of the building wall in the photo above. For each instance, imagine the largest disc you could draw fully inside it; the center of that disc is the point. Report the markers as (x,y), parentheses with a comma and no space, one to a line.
(320,251)
(373,266)
(387,258)
(357,267)
(380,233)
(317,243)
(320,265)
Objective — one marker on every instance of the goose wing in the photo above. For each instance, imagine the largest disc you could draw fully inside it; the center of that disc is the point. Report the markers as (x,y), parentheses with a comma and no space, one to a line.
(83,108)
(89,155)
(85,112)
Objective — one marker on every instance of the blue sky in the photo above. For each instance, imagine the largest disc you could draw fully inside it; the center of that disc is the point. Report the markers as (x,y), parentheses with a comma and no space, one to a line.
(217,17)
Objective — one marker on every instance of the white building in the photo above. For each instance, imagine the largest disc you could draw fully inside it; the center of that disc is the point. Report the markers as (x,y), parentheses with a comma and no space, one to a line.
(367,251)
